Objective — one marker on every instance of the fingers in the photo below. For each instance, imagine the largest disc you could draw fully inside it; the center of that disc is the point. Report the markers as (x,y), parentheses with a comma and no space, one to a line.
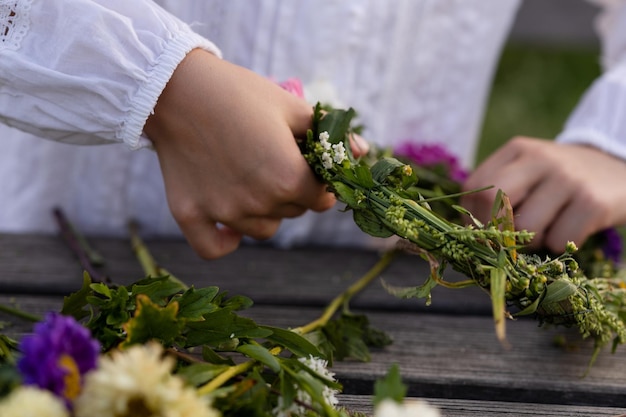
(513,169)
(358,145)
(585,214)
(317,197)
(541,208)
(553,191)
(299,115)
(210,241)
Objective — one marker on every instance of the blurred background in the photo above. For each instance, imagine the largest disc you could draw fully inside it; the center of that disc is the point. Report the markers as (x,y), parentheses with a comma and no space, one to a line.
(551,57)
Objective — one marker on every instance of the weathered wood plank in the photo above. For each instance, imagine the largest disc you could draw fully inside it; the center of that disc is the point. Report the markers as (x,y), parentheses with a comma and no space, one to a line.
(311,276)
(454,357)
(470,408)
(459,357)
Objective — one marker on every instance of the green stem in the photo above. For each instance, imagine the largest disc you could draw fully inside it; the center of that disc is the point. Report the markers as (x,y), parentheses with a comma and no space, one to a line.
(328,313)
(19,313)
(224,377)
(149,265)
(344,297)
(229,373)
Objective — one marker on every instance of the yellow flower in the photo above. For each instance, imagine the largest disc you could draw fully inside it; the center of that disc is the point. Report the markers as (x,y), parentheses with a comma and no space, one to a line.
(138,382)
(28,401)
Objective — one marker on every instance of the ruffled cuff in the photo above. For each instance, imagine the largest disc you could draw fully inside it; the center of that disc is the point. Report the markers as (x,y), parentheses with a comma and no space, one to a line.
(599,120)
(144,102)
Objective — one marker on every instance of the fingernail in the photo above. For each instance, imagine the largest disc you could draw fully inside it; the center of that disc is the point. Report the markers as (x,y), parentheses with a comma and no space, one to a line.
(362,145)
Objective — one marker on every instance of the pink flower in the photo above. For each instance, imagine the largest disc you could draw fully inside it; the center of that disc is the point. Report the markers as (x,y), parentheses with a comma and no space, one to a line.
(294,86)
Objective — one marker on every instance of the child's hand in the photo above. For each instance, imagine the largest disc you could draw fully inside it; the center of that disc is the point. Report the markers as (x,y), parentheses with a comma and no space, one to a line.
(562,192)
(225,138)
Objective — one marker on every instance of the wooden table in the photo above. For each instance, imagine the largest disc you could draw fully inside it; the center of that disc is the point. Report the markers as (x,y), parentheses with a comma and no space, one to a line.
(447,352)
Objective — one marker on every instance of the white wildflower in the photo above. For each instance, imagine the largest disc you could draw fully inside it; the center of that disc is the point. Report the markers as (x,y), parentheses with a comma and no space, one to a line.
(327,160)
(28,401)
(409,408)
(138,382)
(340,152)
(324,137)
(320,367)
(323,91)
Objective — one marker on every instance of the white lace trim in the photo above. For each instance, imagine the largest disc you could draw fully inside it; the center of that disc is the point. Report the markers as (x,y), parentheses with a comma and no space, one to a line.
(14,22)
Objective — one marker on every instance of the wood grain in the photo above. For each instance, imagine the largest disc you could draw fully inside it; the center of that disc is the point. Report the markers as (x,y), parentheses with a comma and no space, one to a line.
(447,353)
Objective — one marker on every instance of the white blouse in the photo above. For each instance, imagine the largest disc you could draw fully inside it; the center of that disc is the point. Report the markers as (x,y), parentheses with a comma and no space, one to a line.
(86,71)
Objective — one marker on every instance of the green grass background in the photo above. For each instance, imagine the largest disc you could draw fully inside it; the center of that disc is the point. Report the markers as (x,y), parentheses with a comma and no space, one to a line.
(535,88)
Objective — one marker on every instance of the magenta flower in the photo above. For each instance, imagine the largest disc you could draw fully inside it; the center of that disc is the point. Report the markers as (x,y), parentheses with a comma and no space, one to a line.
(431,155)
(56,356)
(294,86)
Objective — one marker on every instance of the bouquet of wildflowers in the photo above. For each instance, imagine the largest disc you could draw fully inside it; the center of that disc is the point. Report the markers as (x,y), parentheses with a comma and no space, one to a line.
(388,198)
(159,348)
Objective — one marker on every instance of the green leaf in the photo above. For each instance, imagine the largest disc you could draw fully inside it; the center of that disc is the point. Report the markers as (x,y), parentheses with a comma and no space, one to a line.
(337,123)
(345,194)
(101,289)
(220,327)
(349,336)
(558,291)
(421,291)
(200,373)
(8,347)
(75,303)
(288,388)
(159,289)
(213,357)
(530,309)
(10,379)
(152,322)
(260,354)
(370,224)
(390,387)
(238,302)
(294,342)
(384,167)
(364,175)
(318,339)
(466,212)
(194,303)
(497,290)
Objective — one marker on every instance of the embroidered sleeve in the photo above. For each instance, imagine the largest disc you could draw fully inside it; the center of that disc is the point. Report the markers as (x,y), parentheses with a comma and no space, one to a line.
(88,71)
(14,22)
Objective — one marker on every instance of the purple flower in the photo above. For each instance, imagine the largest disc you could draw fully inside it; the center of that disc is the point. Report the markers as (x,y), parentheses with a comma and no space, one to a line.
(612,245)
(56,356)
(430,155)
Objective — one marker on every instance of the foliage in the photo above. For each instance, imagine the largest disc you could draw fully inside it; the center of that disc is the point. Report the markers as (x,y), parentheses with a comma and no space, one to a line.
(236,365)
(385,198)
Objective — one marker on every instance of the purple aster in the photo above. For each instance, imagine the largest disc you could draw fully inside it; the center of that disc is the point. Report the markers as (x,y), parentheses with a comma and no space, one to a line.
(57,354)
(429,155)
(612,245)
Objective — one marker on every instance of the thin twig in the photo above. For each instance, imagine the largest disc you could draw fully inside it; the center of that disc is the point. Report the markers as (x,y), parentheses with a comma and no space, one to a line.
(73,240)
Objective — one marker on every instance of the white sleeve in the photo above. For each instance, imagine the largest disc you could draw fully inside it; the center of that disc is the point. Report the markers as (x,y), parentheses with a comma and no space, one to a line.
(88,71)
(600,117)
